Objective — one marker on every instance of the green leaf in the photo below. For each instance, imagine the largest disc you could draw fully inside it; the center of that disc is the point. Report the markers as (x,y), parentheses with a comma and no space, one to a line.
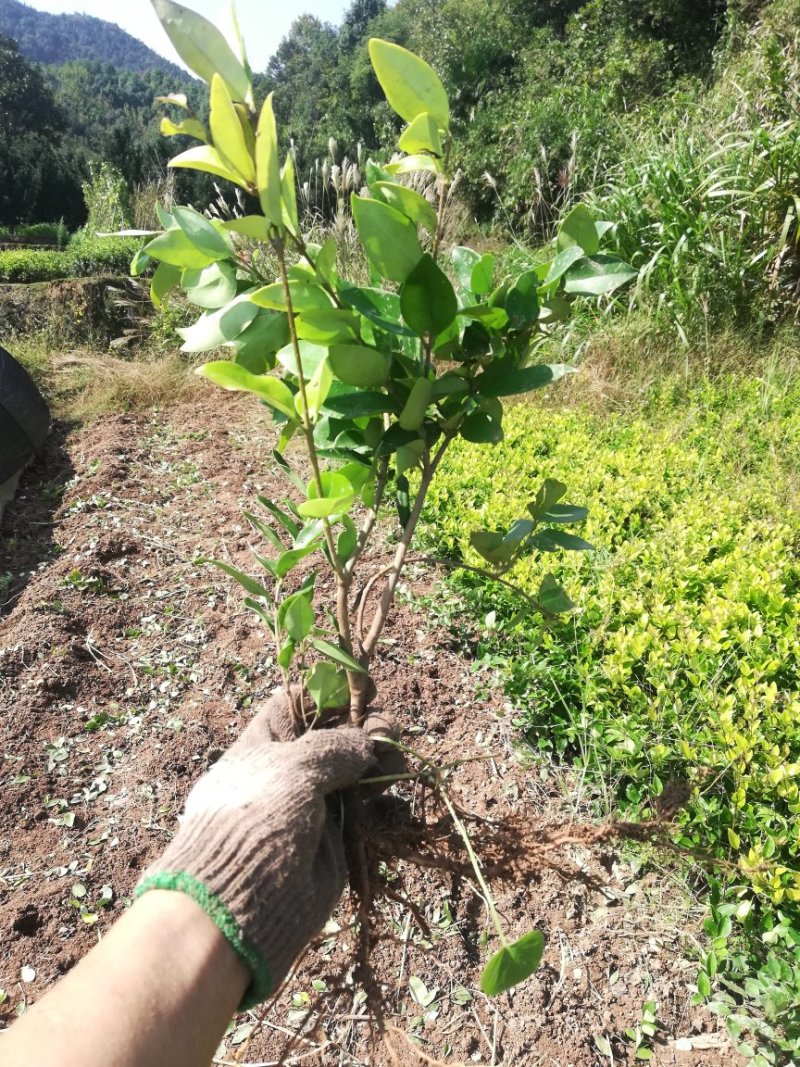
(359,405)
(482,429)
(187,128)
(286,654)
(578,228)
(409,456)
(394,438)
(407,201)
(288,560)
(552,540)
(513,964)
(359,366)
(289,197)
(206,158)
(562,262)
(227,133)
(413,414)
(175,248)
(316,390)
(283,517)
(421,135)
(403,499)
(296,617)
(219,327)
(347,540)
(427,299)
(327,326)
(268,167)
(338,495)
(491,546)
(492,318)
(202,233)
(210,288)
(256,345)
(499,379)
(327,686)
(413,164)
(464,262)
(598,276)
(410,85)
(552,598)
(304,295)
(549,493)
(202,47)
(164,280)
(232,376)
(338,655)
(253,226)
(522,301)
(378,306)
(482,275)
(311,356)
(253,587)
(565,513)
(389,238)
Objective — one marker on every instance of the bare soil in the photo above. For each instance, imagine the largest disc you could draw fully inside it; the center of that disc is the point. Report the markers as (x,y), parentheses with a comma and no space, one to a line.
(126,668)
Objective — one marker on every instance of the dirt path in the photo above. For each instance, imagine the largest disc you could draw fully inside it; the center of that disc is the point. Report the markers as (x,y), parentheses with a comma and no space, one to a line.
(125,668)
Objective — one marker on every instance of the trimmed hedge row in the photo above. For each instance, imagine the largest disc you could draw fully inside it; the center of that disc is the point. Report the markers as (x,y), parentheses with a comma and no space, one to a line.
(82,258)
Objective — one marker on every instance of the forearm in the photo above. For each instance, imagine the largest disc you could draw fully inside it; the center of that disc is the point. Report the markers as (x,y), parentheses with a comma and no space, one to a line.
(161,987)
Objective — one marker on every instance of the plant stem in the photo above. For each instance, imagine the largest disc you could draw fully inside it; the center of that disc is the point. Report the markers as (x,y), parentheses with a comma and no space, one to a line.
(394,572)
(473,859)
(308,428)
(437,237)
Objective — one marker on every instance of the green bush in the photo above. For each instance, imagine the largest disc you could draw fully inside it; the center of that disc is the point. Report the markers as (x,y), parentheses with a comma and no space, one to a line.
(682,661)
(54,232)
(83,257)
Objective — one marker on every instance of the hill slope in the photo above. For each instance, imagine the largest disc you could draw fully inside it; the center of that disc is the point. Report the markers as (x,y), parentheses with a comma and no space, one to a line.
(47,38)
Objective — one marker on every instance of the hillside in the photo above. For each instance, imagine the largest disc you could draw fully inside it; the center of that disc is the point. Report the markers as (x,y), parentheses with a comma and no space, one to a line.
(47,38)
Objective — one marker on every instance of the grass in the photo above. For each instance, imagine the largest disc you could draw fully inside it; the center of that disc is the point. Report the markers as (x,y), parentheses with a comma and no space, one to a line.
(84,385)
(682,660)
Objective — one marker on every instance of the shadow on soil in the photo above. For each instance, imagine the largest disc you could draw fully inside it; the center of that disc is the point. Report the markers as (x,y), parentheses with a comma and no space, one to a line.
(26,531)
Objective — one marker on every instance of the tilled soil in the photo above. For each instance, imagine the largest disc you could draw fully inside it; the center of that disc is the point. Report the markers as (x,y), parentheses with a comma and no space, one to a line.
(126,667)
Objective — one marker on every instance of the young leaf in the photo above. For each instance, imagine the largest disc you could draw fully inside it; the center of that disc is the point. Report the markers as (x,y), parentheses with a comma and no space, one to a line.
(305,295)
(408,201)
(552,540)
(296,617)
(268,168)
(327,686)
(513,964)
(421,135)
(227,134)
(550,493)
(206,158)
(245,581)
(410,85)
(219,327)
(501,380)
(464,262)
(413,414)
(202,233)
(210,288)
(175,248)
(337,654)
(359,366)
(598,276)
(427,299)
(232,376)
(187,128)
(328,326)
(202,47)
(578,228)
(359,405)
(289,197)
(552,598)
(253,226)
(164,280)
(316,390)
(389,238)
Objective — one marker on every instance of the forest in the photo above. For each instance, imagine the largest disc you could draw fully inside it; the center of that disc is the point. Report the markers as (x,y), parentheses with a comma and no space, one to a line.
(581,282)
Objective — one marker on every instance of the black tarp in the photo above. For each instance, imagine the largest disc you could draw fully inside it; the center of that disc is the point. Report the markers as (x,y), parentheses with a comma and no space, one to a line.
(24,418)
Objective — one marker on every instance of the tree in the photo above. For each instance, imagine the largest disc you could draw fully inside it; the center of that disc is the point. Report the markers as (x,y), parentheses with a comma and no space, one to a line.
(33,186)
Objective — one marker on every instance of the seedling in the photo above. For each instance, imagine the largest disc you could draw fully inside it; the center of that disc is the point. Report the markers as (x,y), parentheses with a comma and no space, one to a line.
(375,381)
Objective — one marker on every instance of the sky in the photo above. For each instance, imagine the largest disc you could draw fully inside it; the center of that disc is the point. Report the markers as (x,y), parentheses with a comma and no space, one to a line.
(263,22)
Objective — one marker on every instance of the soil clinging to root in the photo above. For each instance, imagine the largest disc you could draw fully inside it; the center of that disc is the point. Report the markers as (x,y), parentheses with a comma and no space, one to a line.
(126,668)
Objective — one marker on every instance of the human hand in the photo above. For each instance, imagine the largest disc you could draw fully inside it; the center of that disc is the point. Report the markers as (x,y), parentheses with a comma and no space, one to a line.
(260,845)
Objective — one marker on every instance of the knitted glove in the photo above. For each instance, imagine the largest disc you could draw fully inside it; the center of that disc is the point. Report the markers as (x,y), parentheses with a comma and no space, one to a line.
(259,847)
